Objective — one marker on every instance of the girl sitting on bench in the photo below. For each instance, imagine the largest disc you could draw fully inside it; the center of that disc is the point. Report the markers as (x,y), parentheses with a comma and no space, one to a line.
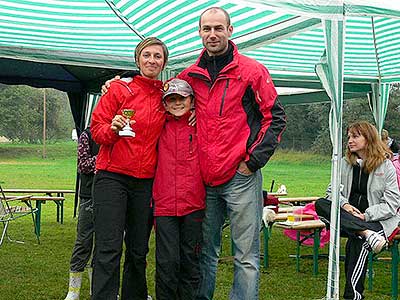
(369,201)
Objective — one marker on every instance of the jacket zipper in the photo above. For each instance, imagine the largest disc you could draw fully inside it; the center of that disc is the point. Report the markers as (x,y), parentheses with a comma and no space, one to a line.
(190,144)
(223,97)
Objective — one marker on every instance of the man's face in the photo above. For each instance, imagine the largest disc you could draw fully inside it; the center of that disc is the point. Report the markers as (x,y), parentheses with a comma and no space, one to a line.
(215,32)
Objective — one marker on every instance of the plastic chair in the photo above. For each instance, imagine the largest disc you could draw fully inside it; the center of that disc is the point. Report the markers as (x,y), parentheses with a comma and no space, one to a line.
(9,213)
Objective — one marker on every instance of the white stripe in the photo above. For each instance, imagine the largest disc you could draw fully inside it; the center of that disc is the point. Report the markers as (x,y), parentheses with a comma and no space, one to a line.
(149,9)
(121,3)
(73,48)
(384,4)
(62,3)
(123,39)
(355,276)
(147,25)
(35,28)
(136,4)
(99,16)
(122,45)
(60,23)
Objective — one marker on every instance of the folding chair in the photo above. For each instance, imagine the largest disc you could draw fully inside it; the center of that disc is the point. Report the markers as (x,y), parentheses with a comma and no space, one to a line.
(9,213)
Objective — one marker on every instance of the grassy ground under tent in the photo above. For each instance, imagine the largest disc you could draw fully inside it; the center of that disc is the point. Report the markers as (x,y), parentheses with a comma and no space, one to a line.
(40,272)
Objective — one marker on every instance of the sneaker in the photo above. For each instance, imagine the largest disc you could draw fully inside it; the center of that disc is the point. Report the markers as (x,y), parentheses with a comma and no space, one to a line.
(268,216)
(376,241)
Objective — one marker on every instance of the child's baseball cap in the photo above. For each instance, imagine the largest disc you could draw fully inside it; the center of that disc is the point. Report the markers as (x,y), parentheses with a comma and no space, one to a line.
(177,86)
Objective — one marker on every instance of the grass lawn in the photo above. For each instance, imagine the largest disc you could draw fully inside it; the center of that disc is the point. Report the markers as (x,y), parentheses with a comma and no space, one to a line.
(40,272)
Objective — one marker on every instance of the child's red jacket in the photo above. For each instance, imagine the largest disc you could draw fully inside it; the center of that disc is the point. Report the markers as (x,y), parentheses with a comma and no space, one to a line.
(178,188)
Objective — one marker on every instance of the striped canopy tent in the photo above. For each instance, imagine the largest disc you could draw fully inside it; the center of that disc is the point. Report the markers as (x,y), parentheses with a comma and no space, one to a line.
(338,48)
(75,45)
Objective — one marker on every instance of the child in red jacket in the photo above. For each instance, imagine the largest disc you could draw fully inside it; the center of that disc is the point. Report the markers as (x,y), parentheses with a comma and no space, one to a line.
(179,199)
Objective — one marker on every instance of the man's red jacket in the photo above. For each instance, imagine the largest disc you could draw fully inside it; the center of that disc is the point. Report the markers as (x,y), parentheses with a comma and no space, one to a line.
(238,116)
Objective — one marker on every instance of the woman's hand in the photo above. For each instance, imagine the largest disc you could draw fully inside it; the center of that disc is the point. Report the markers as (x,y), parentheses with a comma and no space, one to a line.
(118,122)
(106,85)
(354,211)
(360,216)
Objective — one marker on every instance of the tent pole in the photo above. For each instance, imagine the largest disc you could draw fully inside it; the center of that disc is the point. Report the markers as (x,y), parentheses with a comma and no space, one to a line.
(44,155)
(330,72)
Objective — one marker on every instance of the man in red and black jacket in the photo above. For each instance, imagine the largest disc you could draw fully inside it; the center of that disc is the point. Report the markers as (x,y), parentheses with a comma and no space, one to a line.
(239,123)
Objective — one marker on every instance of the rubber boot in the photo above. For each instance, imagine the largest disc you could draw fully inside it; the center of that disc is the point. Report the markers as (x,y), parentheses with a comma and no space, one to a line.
(75,282)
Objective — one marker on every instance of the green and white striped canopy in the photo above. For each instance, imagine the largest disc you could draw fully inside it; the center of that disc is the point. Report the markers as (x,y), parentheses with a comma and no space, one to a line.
(286,36)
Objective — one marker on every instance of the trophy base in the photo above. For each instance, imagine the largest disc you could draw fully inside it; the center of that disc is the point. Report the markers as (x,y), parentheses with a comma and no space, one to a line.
(127,133)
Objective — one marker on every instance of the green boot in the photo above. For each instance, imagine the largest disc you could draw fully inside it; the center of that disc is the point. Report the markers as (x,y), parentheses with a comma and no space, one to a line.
(75,282)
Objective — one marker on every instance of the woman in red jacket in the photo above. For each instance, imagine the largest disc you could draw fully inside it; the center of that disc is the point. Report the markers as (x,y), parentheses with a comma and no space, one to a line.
(125,169)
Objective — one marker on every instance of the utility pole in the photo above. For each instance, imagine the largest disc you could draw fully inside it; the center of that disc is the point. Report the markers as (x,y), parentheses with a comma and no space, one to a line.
(44,124)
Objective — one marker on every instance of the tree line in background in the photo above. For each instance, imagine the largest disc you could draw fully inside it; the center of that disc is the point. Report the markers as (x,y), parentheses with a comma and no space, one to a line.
(21,112)
(308,125)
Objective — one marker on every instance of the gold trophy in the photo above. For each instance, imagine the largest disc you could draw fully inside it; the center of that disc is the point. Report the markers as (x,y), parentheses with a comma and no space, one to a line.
(127,129)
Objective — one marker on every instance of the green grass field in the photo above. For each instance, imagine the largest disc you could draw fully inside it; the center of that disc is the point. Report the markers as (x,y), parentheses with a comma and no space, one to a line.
(40,272)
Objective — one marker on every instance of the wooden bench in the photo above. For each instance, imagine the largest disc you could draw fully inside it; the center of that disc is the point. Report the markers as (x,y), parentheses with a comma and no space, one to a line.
(284,216)
(58,200)
(48,192)
(314,226)
(288,209)
(297,200)
(394,260)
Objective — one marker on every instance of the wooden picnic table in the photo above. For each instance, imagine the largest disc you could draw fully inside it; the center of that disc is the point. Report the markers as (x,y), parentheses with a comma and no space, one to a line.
(55,195)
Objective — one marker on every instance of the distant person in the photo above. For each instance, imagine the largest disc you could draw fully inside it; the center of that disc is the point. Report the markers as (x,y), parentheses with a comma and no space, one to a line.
(369,201)
(390,142)
(179,199)
(87,153)
(125,171)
